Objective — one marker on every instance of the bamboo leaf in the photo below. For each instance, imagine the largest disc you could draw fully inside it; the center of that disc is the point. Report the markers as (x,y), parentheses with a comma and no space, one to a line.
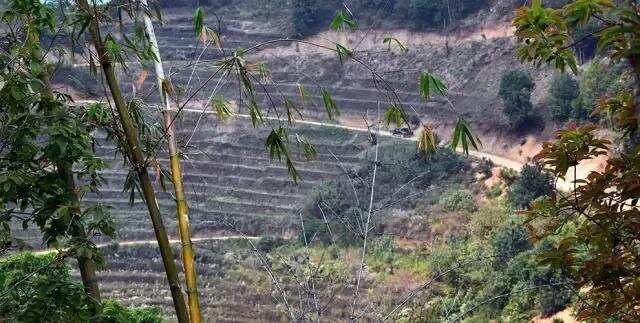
(463,136)
(255,113)
(390,40)
(167,87)
(221,107)
(306,148)
(141,78)
(198,21)
(290,109)
(343,20)
(276,144)
(395,115)
(427,141)
(343,53)
(430,84)
(302,93)
(330,106)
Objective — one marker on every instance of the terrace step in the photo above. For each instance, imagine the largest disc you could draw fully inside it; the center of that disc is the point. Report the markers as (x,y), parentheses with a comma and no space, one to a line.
(212,204)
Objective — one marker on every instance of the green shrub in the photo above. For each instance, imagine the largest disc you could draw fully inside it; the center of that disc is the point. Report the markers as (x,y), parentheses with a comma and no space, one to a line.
(508,241)
(268,243)
(494,192)
(508,175)
(485,167)
(36,287)
(489,217)
(532,182)
(598,80)
(562,94)
(114,312)
(457,200)
(329,214)
(308,16)
(515,90)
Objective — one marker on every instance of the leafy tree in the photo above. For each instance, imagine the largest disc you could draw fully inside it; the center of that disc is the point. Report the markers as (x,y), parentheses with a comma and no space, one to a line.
(114,312)
(562,93)
(456,200)
(515,91)
(47,148)
(532,182)
(36,288)
(308,16)
(602,251)
(598,80)
(509,240)
(45,290)
(426,14)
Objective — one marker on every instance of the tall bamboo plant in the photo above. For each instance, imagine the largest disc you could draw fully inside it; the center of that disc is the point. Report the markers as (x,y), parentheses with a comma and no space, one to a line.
(176,175)
(135,154)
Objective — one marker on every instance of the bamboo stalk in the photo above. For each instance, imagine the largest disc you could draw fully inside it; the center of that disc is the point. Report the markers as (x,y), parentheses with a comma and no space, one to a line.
(176,176)
(138,160)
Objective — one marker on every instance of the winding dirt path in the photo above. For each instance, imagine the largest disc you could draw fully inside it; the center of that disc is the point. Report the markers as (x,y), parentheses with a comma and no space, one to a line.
(496,159)
(131,243)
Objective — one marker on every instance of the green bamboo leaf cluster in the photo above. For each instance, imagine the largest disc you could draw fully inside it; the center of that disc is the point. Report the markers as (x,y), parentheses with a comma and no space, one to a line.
(221,107)
(343,20)
(330,105)
(291,110)
(395,115)
(431,84)
(343,53)
(276,144)
(307,149)
(463,136)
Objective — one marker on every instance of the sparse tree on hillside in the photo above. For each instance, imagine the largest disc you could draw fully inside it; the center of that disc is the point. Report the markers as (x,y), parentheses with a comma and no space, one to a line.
(307,16)
(562,94)
(515,90)
(533,182)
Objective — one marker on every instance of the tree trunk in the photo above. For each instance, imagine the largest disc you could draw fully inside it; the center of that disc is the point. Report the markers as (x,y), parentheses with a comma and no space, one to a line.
(176,176)
(138,160)
(86,266)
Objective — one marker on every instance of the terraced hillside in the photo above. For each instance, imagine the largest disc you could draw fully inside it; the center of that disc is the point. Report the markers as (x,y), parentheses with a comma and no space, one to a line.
(471,62)
(232,184)
(234,189)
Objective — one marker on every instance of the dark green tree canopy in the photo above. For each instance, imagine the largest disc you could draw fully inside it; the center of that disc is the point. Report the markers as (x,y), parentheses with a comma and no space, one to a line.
(562,93)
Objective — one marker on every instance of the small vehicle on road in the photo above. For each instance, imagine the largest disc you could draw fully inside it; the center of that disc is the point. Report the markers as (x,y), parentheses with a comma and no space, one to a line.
(402,132)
